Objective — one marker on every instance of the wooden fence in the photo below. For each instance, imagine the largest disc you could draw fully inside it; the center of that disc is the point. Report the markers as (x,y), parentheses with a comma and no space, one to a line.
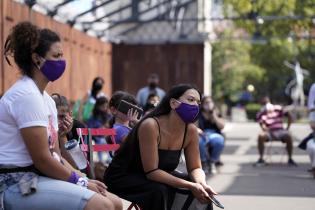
(174,63)
(124,67)
(86,57)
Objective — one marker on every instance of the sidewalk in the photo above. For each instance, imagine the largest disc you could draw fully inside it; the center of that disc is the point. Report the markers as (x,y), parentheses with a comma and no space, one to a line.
(272,187)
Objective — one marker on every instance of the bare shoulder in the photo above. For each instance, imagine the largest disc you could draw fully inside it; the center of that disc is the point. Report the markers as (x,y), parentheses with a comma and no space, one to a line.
(148,124)
(148,132)
(192,129)
(192,132)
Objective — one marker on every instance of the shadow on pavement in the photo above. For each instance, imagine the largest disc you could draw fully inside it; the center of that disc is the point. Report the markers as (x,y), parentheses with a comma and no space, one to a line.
(271,180)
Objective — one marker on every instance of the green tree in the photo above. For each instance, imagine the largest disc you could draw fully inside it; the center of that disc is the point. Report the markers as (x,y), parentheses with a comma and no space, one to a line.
(284,38)
(232,68)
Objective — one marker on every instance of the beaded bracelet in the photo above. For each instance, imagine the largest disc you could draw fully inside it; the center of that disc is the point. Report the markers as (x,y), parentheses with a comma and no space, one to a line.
(83,182)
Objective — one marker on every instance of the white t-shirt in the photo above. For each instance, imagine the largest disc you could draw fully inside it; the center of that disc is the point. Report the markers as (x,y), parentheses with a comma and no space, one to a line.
(22,106)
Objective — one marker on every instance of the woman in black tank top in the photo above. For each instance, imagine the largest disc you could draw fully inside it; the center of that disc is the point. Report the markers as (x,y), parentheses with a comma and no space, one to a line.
(143,169)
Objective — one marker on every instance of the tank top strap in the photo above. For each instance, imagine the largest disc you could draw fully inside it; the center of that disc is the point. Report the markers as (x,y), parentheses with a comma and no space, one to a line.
(184,137)
(158,124)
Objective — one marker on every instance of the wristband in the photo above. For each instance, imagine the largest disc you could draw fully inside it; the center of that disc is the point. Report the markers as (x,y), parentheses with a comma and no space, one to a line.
(74,178)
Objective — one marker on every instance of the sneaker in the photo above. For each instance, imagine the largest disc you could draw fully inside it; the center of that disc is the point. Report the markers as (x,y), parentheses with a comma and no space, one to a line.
(205,167)
(212,168)
(291,162)
(218,163)
(260,162)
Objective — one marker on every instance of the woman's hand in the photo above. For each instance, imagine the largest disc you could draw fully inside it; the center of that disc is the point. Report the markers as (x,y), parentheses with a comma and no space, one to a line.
(200,193)
(65,125)
(97,186)
(209,190)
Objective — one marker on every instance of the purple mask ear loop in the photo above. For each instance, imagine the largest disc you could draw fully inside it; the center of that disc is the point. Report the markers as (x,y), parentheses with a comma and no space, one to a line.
(38,66)
(177,101)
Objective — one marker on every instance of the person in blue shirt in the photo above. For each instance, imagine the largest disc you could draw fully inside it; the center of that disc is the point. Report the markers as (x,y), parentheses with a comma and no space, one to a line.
(152,87)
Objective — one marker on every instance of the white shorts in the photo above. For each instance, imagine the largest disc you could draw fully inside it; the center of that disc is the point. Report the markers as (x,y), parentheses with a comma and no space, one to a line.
(278,135)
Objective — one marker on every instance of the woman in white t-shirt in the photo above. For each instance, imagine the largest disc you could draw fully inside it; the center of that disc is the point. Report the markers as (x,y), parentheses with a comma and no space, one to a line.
(33,175)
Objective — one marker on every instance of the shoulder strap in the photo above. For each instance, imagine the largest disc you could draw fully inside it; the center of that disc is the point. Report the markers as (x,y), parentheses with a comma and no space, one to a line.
(184,137)
(159,137)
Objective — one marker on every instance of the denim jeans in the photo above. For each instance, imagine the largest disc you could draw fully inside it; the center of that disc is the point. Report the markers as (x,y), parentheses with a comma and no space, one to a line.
(51,194)
(210,139)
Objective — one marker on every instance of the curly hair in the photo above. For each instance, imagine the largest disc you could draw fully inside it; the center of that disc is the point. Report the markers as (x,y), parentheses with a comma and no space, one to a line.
(25,39)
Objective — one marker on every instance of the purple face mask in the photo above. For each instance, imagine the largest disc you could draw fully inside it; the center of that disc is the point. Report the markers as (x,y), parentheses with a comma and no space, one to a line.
(188,113)
(53,69)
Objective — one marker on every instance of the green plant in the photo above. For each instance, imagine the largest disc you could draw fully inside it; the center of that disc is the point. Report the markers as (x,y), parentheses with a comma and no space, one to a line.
(251,110)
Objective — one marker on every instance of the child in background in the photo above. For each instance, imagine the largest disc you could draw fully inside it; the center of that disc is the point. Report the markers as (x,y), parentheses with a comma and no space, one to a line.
(66,128)
(122,121)
(100,115)
(100,119)
(152,102)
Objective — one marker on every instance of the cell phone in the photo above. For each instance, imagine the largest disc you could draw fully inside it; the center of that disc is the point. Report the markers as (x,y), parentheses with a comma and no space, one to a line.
(124,106)
(216,202)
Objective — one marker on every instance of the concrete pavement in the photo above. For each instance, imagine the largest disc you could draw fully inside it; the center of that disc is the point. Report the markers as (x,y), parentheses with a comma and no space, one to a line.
(273,187)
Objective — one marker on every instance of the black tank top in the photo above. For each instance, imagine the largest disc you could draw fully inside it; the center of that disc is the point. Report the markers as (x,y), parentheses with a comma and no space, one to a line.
(128,159)
(169,159)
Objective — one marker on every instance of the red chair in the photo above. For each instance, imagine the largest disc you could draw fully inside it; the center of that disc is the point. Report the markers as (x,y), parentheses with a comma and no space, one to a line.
(89,147)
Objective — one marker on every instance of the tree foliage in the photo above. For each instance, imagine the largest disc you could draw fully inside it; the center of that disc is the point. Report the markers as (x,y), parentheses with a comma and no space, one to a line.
(232,68)
(236,63)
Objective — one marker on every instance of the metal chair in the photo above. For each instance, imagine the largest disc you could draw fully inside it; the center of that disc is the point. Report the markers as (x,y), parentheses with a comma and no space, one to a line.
(271,150)
(89,148)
